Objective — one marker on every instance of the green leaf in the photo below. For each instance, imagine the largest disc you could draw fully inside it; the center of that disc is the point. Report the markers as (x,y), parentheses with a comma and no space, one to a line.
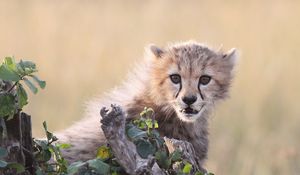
(3,164)
(158,140)
(11,64)
(45,126)
(114,173)
(176,155)
(147,112)
(155,124)
(135,133)
(43,156)
(99,166)
(63,145)
(140,123)
(22,96)
(187,168)
(74,167)
(28,64)
(3,152)
(7,105)
(149,123)
(103,152)
(30,85)
(150,111)
(56,152)
(18,167)
(7,74)
(117,169)
(39,171)
(26,67)
(41,143)
(20,69)
(41,83)
(155,134)
(48,134)
(144,148)
(162,159)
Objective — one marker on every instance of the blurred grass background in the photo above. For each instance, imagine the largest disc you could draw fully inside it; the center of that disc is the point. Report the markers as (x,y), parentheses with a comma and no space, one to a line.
(86,47)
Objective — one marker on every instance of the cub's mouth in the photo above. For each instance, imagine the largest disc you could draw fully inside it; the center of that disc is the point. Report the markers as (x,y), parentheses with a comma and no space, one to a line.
(189,111)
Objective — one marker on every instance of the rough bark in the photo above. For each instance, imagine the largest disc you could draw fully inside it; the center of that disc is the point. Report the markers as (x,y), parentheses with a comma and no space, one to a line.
(18,141)
(187,150)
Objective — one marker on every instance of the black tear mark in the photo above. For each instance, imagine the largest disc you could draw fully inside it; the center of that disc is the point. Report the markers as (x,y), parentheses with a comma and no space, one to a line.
(201,94)
(202,97)
(180,86)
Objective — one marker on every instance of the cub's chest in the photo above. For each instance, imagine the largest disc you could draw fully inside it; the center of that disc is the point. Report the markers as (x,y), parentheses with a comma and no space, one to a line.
(174,128)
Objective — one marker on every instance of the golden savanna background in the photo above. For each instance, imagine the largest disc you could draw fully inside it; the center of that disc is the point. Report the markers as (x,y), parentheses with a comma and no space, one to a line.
(86,47)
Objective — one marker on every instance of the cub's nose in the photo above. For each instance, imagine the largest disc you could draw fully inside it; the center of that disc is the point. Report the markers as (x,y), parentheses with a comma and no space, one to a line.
(189,99)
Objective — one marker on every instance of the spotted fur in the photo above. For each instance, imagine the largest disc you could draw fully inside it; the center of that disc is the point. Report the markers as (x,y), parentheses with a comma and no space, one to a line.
(150,85)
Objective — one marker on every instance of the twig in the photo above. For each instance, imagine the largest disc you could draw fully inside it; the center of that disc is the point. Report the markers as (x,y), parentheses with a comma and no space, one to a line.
(12,87)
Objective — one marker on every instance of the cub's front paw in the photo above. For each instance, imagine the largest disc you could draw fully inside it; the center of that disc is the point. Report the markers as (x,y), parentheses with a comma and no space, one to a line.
(113,120)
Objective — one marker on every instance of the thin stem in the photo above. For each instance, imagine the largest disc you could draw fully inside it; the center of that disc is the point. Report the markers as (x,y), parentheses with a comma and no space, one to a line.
(13,86)
(50,141)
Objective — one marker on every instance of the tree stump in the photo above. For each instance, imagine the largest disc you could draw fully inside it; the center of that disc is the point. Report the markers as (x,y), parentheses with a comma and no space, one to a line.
(18,141)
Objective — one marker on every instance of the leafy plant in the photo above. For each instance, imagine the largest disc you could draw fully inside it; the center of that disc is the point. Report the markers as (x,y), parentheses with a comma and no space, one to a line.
(50,161)
(18,74)
(143,133)
(148,142)
(44,150)
(13,98)
(105,163)
(9,166)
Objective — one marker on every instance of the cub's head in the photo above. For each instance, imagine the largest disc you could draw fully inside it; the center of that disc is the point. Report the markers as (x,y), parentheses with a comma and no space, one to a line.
(189,78)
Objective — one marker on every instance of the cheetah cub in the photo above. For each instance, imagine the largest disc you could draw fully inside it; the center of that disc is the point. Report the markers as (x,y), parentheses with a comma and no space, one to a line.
(181,82)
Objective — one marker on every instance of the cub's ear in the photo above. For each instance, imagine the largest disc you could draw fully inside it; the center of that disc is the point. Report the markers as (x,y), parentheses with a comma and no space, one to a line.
(231,56)
(155,51)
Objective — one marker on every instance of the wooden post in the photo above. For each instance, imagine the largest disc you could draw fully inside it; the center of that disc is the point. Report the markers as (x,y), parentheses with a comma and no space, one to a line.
(18,142)
(26,131)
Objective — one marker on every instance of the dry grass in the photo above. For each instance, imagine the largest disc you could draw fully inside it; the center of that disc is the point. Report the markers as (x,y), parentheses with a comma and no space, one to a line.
(85,47)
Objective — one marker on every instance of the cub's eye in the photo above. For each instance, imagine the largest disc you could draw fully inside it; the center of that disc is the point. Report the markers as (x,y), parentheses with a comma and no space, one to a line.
(175,78)
(204,79)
